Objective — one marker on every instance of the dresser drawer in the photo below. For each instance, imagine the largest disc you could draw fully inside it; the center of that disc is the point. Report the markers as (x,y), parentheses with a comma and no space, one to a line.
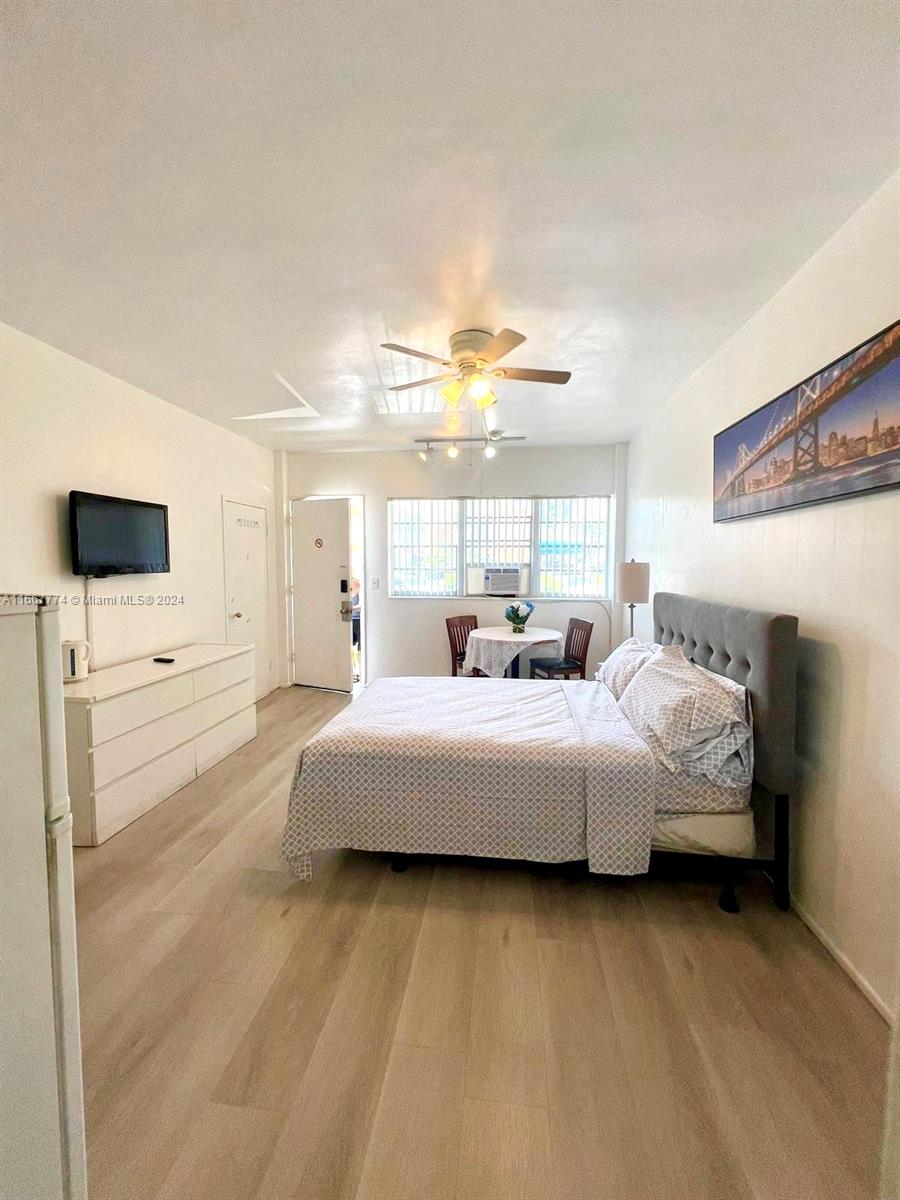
(217,707)
(222,740)
(218,676)
(119,714)
(125,800)
(131,750)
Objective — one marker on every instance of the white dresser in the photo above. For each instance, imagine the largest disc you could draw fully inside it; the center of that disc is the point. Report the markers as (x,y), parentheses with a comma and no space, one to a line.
(138,732)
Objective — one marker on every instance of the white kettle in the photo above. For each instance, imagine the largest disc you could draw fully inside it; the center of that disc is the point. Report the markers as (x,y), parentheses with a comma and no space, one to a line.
(75,659)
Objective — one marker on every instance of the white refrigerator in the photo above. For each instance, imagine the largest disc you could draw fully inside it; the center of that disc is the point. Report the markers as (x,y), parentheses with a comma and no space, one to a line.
(41,1104)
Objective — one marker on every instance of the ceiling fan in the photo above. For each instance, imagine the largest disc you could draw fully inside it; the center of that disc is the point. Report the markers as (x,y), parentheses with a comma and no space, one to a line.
(471,369)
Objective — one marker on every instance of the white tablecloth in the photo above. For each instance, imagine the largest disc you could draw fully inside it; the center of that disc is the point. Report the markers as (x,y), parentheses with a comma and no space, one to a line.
(492,648)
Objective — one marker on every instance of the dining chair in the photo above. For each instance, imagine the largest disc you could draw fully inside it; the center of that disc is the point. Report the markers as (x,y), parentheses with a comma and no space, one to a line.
(574,662)
(458,630)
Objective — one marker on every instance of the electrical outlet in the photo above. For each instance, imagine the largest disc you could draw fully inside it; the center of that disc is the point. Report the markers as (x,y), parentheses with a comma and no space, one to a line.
(375,583)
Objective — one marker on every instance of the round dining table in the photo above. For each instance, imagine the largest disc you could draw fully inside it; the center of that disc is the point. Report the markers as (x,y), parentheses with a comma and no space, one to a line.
(495,649)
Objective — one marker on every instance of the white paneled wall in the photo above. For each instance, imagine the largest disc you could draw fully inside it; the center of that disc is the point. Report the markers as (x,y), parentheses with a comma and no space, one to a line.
(837,566)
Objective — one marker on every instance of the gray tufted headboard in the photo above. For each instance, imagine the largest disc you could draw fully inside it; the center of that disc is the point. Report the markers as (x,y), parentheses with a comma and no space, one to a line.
(757,649)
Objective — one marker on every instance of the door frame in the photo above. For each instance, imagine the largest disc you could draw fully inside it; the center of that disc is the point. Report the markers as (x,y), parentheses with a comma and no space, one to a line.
(364,618)
(268,596)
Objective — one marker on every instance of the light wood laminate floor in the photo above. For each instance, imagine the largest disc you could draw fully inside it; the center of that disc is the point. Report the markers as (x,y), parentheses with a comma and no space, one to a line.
(465,1030)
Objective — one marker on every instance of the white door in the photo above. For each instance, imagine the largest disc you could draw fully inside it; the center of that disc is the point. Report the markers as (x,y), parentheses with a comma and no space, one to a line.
(247,582)
(320,599)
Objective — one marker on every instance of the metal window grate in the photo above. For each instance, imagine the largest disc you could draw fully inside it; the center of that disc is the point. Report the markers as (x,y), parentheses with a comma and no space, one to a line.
(572,546)
(498,533)
(423,537)
(563,542)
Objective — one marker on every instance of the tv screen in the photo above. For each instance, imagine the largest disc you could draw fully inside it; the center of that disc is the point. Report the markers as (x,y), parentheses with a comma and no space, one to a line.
(112,536)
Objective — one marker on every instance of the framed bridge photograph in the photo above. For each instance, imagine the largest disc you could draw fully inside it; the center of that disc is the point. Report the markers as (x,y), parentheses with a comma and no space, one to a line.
(834,435)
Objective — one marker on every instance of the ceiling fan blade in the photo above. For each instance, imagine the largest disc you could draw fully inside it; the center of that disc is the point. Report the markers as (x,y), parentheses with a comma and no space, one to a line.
(444,362)
(529,376)
(501,343)
(403,387)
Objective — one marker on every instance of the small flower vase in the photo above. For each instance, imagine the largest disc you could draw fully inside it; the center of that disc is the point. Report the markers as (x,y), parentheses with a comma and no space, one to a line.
(517,614)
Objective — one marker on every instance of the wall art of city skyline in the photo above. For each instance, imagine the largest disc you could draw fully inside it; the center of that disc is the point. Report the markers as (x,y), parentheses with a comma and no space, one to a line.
(835,435)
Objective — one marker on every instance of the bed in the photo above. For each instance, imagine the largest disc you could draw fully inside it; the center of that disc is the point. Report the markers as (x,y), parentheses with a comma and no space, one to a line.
(549,771)
(758,650)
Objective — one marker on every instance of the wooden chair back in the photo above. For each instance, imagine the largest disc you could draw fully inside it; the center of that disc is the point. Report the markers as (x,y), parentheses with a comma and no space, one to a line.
(578,638)
(458,630)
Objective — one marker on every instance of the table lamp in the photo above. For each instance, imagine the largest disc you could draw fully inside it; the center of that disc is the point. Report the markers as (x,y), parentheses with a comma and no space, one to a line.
(632,585)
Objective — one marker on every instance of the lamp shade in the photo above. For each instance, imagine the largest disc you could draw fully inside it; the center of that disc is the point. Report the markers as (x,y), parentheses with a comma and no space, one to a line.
(632,582)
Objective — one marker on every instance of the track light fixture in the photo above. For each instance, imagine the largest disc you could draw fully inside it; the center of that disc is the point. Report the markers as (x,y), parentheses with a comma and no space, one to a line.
(488,443)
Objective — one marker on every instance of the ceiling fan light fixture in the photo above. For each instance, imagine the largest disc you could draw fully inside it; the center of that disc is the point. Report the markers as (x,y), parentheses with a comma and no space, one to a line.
(471,367)
(452,392)
(479,387)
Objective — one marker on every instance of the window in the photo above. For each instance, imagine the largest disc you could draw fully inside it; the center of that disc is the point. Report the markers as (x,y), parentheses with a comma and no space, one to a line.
(498,534)
(423,536)
(437,547)
(572,546)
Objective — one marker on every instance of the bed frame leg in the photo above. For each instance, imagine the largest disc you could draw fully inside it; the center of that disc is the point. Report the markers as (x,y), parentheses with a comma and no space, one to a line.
(781,878)
(728,901)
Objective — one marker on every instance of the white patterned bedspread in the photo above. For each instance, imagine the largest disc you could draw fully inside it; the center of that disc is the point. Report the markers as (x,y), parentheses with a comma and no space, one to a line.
(529,769)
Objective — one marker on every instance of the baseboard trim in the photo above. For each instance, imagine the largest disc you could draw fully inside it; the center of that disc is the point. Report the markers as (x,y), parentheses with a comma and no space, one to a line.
(861,982)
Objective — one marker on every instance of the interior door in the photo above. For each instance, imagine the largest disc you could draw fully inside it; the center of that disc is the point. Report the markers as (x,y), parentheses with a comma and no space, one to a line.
(320,596)
(247,582)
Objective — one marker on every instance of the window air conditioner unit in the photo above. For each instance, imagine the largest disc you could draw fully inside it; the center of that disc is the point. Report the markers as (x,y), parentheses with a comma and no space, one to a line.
(502,581)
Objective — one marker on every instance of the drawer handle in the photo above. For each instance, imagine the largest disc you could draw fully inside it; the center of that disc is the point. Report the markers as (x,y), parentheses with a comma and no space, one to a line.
(236,616)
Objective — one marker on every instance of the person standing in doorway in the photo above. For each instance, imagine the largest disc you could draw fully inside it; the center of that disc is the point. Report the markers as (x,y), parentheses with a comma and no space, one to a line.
(355,616)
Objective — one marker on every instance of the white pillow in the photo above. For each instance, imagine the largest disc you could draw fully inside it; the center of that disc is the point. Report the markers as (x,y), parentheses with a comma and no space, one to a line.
(623,664)
(690,720)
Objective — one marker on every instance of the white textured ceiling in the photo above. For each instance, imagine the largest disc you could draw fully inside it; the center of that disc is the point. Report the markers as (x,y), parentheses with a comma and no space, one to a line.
(199,195)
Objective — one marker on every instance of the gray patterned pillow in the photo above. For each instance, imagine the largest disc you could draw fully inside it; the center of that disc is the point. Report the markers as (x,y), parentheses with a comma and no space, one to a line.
(622,664)
(690,720)
(737,690)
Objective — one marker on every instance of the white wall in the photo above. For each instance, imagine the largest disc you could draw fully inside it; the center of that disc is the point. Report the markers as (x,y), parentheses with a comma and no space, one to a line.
(837,566)
(406,636)
(66,425)
(890,1161)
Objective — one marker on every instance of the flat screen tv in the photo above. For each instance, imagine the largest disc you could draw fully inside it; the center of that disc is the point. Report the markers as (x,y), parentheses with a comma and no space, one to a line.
(112,536)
